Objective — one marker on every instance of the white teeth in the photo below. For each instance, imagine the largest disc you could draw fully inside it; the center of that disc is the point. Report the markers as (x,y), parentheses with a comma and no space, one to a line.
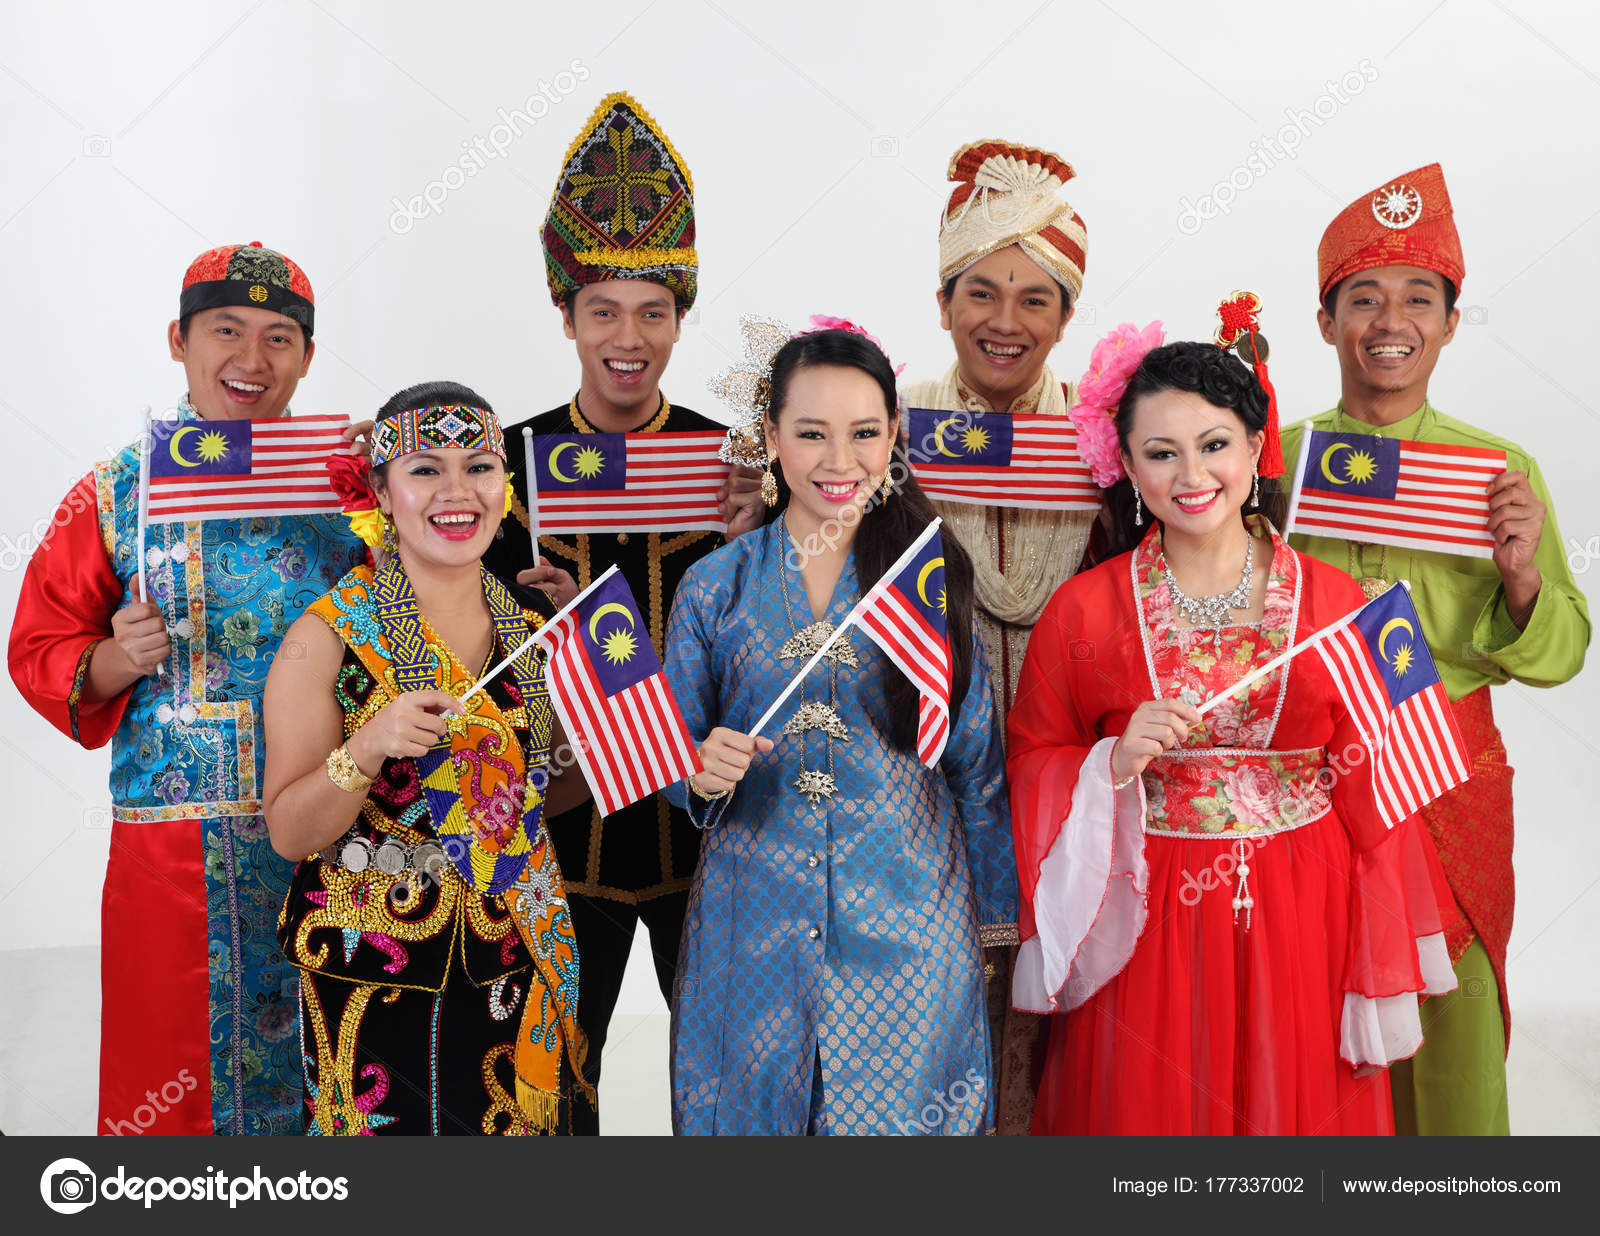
(1394,349)
(1201,501)
(1005,350)
(837,490)
(250,388)
(455,519)
(626,366)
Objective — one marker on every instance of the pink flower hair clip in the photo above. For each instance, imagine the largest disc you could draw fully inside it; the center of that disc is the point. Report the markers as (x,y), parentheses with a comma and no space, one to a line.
(821,321)
(1111,368)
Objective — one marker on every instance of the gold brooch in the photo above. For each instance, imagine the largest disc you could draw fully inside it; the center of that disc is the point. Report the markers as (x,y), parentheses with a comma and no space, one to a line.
(815,785)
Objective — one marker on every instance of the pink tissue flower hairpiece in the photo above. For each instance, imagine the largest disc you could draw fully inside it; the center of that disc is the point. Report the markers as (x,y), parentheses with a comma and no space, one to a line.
(821,321)
(1111,367)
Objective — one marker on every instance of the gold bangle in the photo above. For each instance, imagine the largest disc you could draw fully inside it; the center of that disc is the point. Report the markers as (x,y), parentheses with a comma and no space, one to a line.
(345,773)
(1125,782)
(710,798)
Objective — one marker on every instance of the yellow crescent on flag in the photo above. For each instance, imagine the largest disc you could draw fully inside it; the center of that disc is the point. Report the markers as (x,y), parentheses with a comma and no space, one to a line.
(1327,457)
(555,463)
(610,607)
(922,578)
(938,437)
(1383,636)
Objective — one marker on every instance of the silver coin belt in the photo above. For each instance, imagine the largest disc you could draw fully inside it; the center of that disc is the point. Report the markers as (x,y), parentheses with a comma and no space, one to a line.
(354,852)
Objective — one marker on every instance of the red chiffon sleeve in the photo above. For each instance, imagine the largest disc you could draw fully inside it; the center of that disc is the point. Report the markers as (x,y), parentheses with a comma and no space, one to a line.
(63,611)
(1080,842)
(1396,941)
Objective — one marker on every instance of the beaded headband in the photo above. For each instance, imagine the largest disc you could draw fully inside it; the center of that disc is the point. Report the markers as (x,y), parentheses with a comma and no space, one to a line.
(457,426)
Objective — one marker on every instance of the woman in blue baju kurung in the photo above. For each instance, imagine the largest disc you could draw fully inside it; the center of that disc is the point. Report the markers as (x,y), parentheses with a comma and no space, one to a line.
(832,978)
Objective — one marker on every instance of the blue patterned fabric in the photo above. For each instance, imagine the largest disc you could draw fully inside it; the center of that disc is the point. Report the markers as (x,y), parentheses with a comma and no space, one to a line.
(190,748)
(884,1006)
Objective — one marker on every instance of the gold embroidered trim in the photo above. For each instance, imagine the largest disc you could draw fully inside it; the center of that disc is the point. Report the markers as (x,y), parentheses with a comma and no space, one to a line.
(997,935)
(636,259)
(75,696)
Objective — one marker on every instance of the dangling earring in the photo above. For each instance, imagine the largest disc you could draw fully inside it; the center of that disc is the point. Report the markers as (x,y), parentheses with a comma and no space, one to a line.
(769,483)
(1255,492)
(1138,507)
(389,544)
(887,487)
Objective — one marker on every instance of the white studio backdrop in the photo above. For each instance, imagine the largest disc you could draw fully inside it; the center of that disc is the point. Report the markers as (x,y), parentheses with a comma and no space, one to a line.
(404,154)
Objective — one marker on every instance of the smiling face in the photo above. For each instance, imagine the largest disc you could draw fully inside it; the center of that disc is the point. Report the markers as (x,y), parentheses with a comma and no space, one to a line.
(1194,462)
(446,504)
(1004,316)
(624,329)
(1388,325)
(241,362)
(833,437)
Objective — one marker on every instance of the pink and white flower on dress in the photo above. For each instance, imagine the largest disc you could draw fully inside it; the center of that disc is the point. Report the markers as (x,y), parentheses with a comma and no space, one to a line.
(1254,794)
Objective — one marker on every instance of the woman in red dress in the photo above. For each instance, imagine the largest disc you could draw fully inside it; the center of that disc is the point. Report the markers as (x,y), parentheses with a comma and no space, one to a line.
(1233,939)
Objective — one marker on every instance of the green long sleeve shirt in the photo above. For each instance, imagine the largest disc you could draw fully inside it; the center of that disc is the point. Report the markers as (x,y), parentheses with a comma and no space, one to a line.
(1461,600)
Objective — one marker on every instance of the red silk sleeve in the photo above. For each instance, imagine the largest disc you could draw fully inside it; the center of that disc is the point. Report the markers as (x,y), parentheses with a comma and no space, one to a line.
(1046,744)
(64,610)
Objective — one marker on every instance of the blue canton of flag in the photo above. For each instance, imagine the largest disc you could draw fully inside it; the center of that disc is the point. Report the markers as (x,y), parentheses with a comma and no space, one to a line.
(611,629)
(1393,635)
(200,448)
(590,462)
(1356,465)
(962,437)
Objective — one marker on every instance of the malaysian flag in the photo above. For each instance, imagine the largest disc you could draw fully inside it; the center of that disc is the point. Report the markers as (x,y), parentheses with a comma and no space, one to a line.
(1386,491)
(242,469)
(607,687)
(995,459)
(904,615)
(626,482)
(1381,664)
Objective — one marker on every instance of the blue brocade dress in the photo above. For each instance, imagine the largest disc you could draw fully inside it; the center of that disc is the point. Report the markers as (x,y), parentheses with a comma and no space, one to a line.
(831,978)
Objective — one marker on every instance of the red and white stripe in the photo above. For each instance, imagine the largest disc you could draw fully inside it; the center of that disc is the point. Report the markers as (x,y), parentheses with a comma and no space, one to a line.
(288,476)
(1416,749)
(1046,473)
(628,745)
(922,655)
(673,485)
(1441,503)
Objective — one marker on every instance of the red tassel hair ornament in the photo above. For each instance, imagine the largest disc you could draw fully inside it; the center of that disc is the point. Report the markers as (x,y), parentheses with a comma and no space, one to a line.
(1238,328)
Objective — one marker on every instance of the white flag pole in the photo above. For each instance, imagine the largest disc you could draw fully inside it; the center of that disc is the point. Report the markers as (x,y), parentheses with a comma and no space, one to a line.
(882,583)
(1315,637)
(533,491)
(146,445)
(1299,477)
(549,625)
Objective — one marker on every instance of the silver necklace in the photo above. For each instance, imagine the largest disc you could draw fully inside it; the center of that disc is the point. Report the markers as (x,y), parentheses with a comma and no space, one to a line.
(1213,611)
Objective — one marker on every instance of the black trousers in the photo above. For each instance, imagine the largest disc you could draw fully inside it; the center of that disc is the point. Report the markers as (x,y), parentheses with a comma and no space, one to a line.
(605,931)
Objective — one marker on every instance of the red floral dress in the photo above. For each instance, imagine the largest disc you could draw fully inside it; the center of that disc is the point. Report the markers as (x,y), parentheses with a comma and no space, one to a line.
(1235,936)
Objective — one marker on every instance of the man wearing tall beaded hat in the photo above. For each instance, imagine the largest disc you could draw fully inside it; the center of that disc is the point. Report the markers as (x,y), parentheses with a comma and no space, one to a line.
(1011,260)
(199,1025)
(1389,270)
(620,259)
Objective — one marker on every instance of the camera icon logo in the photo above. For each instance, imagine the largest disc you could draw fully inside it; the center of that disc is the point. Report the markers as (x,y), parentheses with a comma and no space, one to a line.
(96,147)
(885,146)
(1475,987)
(1475,315)
(68,1186)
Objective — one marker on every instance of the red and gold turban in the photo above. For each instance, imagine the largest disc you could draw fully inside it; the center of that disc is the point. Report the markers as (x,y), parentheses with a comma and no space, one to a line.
(1407,222)
(1010,195)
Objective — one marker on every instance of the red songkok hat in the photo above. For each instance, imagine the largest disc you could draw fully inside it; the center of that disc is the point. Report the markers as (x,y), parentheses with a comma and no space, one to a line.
(247,275)
(1407,222)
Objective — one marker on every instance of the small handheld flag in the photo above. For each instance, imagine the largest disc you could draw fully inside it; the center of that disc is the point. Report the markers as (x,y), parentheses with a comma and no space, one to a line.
(242,469)
(614,702)
(1387,491)
(904,613)
(994,459)
(626,482)
(1381,664)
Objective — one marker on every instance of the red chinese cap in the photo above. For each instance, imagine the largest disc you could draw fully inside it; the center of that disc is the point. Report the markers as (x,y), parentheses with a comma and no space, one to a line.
(1407,222)
(247,275)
